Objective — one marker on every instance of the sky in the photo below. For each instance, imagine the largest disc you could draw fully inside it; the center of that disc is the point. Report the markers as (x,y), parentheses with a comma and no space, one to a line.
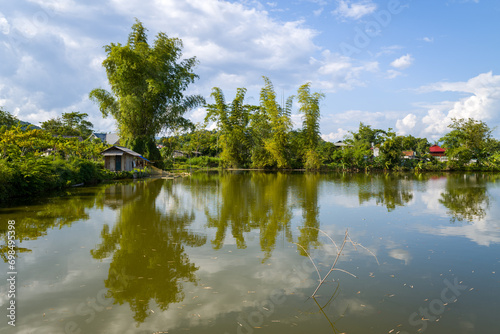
(409,65)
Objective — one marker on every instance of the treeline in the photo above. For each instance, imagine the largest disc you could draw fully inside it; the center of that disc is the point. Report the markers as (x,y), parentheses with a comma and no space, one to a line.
(250,136)
(265,139)
(34,161)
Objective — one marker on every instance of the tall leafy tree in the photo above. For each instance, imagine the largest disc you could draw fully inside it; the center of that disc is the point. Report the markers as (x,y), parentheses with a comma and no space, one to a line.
(69,124)
(271,125)
(310,110)
(391,150)
(232,123)
(147,83)
(468,139)
(368,136)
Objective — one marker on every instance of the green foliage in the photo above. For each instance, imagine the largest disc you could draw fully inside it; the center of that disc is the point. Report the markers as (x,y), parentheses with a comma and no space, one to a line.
(468,139)
(391,150)
(310,110)
(7,120)
(368,136)
(147,88)
(270,127)
(33,161)
(232,121)
(203,161)
(69,124)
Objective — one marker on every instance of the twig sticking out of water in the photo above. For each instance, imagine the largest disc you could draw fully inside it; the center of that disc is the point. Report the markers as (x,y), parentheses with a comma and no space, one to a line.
(347,238)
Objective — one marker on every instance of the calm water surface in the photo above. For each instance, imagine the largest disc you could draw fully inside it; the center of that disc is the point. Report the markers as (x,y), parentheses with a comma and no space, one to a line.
(228,253)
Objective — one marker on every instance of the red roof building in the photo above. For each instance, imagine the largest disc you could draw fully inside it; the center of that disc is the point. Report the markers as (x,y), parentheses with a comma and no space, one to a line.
(437,151)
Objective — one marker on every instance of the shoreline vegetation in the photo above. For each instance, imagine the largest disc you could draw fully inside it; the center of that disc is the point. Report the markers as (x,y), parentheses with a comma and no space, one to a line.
(147,98)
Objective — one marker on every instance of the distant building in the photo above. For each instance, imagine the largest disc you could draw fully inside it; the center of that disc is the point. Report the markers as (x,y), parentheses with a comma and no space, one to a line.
(107,138)
(409,155)
(340,145)
(438,152)
(117,158)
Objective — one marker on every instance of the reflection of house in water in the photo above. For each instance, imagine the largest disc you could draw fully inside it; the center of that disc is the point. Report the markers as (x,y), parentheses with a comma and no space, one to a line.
(118,195)
(117,158)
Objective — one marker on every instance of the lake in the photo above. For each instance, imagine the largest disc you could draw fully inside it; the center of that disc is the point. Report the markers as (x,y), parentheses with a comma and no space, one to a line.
(243,252)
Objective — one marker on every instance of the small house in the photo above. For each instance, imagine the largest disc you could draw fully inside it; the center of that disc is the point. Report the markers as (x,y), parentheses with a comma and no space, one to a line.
(118,158)
(437,151)
(409,155)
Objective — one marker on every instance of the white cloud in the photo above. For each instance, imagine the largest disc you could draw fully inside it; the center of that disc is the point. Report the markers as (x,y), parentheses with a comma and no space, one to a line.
(428,39)
(483,104)
(392,74)
(407,124)
(334,72)
(354,10)
(403,62)
(335,136)
(318,12)
(4,25)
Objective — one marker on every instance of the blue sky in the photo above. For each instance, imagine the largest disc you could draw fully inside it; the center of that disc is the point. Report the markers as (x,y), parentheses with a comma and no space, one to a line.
(410,65)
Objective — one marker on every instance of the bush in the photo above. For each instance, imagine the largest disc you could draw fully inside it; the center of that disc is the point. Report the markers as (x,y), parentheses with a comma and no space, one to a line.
(203,161)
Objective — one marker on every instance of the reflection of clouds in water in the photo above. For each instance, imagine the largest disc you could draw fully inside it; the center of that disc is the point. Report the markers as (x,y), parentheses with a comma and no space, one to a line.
(432,195)
(401,254)
(484,233)
(483,230)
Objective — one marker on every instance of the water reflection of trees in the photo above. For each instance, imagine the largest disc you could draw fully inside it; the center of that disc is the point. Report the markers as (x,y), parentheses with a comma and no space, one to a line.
(244,203)
(387,189)
(263,202)
(34,220)
(466,196)
(147,243)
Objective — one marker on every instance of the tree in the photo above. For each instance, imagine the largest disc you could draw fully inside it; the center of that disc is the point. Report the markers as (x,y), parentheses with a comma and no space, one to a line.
(391,150)
(69,124)
(147,89)
(7,120)
(232,121)
(358,153)
(271,125)
(419,145)
(309,108)
(468,139)
(368,136)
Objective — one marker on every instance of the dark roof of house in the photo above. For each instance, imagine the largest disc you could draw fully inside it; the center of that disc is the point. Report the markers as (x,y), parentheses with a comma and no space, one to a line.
(113,151)
(436,149)
(108,138)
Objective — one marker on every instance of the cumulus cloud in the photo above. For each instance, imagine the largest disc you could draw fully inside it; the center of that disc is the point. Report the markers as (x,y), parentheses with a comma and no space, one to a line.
(335,136)
(52,62)
(333,71)
(403,62)
(354,10)
(405,125)
(482,104)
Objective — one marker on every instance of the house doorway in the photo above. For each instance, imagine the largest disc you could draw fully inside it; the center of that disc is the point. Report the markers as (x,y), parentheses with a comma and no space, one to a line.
(118,163)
